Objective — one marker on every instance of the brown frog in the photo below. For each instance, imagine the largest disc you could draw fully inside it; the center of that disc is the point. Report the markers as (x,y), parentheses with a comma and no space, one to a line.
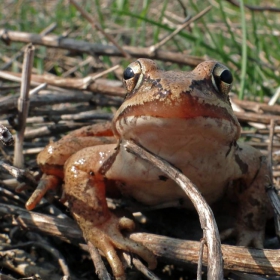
(183,117)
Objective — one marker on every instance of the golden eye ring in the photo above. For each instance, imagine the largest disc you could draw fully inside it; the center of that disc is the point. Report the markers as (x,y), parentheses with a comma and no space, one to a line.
(222,78)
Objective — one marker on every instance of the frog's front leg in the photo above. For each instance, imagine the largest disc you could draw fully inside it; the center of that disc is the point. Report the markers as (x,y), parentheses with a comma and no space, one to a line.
(85,191)
(52,158)
(253,204)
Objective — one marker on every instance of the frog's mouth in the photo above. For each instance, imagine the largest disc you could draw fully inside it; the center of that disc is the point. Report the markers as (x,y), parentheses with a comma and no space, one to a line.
(188,107)
(152,116)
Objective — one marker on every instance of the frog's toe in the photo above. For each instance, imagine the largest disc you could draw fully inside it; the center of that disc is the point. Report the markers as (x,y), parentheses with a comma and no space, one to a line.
(107,237)
(250,238)
(244,237)
(46,183)
(126,224)
(228,233)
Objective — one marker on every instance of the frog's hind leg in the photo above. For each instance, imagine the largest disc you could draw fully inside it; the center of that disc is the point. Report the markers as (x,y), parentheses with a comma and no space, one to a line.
(253,208)
(85,190)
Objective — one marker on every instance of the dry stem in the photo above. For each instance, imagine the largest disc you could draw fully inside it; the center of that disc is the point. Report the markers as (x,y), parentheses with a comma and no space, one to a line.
(23,105)
(97,49)
(96,25)
(206,217)
(181,27)
(173,250)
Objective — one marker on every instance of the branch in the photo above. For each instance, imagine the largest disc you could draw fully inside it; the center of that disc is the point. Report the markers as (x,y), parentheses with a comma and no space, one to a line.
(182,252)
(181,27)
(96,49)
(23,105)
(22,175)
(96,25)
(206,217)
(256,8)
(104,86)
(236,258)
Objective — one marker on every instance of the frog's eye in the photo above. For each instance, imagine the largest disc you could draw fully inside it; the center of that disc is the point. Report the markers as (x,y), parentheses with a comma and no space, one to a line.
(132,76)
(128,73)
(222,78)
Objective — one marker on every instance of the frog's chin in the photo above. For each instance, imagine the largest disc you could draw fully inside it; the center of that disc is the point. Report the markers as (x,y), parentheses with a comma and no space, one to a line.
(176,132)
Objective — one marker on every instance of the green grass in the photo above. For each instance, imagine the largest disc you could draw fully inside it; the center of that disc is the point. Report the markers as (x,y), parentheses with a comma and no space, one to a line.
(246,41)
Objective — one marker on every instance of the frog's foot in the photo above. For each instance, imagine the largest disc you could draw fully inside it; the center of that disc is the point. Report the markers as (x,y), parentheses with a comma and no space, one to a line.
(47,182)
(245,237)
(107,237)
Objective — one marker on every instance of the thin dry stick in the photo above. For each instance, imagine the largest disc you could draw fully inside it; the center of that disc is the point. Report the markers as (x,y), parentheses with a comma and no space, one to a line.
(258,118)
(236,258)
(23,105)
(140,267)
(8,105)
(182,252)
(200,259)
(256,8)
(96,25)
(98,49)
(270,146)
(177,30)
(46,246)
(37,89)
(90,79)
(76,67)
(44,32)
(104,86)
(274,199)
(22,263)
(100,268)
(206,217)
(20,174)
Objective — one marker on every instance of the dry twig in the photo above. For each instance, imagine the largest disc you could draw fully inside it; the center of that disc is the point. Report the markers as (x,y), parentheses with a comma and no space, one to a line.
(140,267)
(100,268)
(264,262)
(274,199)
(23,105)
(21,175)
(181,27)
(256,8)
(107,87)
(97,49)
(206,217)
(16,56)
(173,250)
(44,245)
(96,25)
(22,263)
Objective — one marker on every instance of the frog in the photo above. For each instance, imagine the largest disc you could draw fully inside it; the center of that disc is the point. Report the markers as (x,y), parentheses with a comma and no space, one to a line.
(185,118)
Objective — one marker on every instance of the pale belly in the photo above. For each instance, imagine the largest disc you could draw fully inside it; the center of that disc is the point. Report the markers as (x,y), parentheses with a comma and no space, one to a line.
(148,185)
(201,148)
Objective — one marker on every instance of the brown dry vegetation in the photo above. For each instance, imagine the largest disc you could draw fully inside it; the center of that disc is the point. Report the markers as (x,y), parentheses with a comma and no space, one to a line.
(75,59)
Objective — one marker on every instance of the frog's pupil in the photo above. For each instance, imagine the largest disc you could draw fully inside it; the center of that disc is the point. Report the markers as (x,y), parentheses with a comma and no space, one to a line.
(226,77)
(128,73)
